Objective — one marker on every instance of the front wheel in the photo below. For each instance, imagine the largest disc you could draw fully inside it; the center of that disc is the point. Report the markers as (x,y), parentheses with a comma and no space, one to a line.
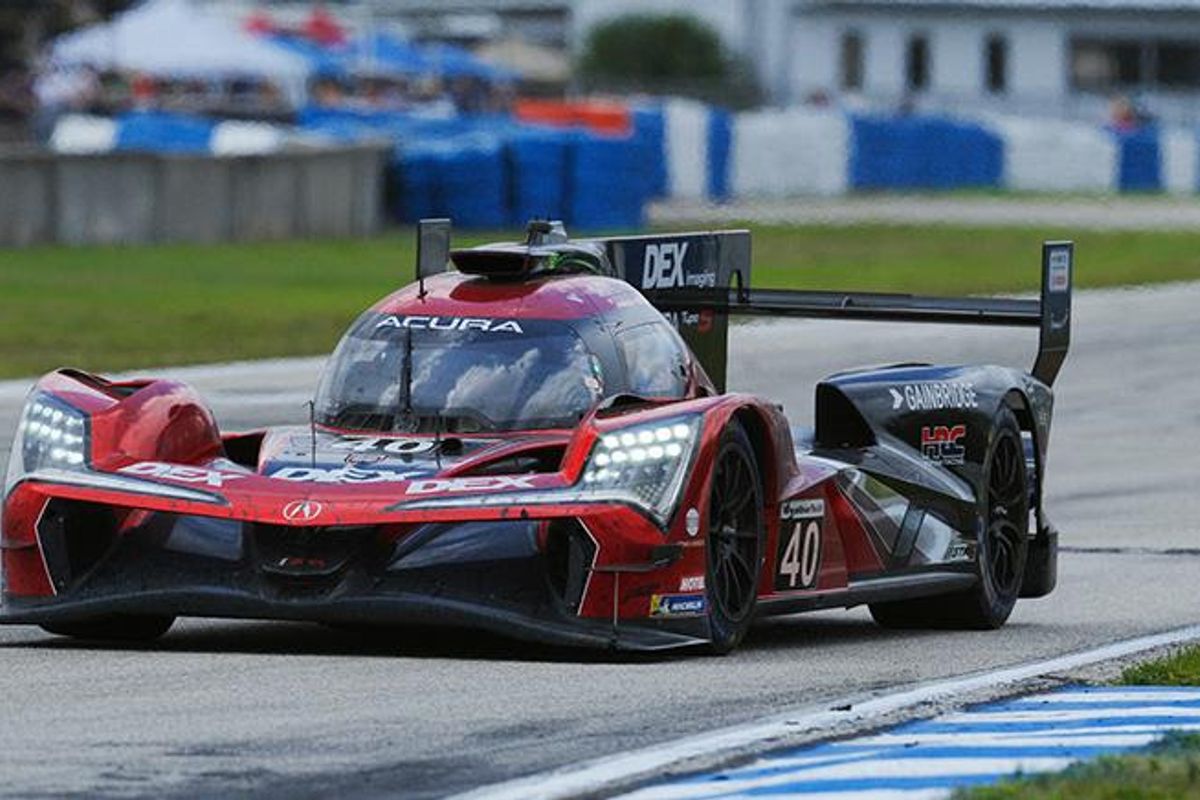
(1003,547)
(735,540)
(116,628)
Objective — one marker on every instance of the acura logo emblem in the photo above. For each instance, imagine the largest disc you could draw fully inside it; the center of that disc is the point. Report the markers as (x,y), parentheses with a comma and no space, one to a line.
(302,510)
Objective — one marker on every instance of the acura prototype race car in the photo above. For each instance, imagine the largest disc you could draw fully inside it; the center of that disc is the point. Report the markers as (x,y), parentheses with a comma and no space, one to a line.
(537,441)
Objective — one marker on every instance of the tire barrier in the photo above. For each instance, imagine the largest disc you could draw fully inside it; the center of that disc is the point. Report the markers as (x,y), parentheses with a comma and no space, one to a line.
(596,166)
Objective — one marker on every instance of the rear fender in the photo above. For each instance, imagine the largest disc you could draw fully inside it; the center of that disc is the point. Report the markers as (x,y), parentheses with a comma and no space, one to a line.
(943,414)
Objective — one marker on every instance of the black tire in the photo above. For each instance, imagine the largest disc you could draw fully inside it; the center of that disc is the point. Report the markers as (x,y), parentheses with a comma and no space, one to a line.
(116,628)
(1002,549)
(735,540)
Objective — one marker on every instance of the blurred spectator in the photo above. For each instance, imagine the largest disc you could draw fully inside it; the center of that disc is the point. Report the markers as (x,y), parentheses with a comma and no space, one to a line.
(61,91)
(1122,114)
(16,94)
(1126,115)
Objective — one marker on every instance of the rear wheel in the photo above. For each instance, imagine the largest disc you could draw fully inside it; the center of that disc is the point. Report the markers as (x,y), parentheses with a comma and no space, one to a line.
(1002,550)
(117,628)
(735,540)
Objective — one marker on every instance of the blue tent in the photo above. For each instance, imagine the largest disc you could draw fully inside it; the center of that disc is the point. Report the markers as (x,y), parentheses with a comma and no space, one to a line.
(321,60)
(457,62)
(386,54)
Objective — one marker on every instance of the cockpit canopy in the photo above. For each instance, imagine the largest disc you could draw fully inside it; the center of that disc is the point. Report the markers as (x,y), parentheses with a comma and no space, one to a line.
(425,374)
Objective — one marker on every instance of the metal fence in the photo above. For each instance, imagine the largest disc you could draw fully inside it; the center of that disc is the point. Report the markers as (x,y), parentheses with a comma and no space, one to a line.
(136,198)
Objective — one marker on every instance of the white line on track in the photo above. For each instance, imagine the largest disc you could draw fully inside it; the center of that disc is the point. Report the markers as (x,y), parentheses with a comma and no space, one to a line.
(626,769)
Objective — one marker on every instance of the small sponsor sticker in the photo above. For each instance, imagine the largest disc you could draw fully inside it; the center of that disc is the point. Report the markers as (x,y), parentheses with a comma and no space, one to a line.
(692,583)
(179,472)
(481,483)
(342,475)
(677,605)
(802,509)
(1060,270)
(942,444)
(960,551)
(934,396)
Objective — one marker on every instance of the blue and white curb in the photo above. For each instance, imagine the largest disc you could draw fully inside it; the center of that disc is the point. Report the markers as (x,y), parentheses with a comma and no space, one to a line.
(932,758)
(694,753)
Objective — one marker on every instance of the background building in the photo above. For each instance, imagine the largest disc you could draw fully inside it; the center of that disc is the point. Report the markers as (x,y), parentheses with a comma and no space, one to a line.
(1045,57)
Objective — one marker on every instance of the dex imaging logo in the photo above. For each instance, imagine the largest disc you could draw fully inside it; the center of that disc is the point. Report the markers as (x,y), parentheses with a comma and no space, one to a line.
(663,265)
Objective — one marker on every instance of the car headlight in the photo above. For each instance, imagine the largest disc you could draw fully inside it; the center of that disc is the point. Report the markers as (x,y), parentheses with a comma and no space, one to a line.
(50,435)
(644,465)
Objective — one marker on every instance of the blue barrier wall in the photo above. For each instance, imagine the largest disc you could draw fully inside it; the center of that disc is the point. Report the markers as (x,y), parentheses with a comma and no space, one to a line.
(151,131)
(720,146)
(607,185)
(492,171)
(923,153)
(649,131)
(466,181)
(1140,167)
(538,161)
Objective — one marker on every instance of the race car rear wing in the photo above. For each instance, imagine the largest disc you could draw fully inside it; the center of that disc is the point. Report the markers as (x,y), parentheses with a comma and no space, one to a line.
(691,275)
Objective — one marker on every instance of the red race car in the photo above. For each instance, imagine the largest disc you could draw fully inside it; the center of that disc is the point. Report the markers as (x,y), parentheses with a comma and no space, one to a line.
(538,442)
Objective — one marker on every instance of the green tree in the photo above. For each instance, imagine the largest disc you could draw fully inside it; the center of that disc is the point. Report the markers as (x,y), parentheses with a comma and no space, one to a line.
(665,54)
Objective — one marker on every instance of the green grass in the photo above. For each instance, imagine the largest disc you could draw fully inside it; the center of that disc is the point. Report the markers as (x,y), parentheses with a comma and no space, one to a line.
(111,308)
(1180,669)
(1167,771)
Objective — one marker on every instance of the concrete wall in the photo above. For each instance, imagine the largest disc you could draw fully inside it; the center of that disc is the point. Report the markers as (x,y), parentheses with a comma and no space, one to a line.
(134,198)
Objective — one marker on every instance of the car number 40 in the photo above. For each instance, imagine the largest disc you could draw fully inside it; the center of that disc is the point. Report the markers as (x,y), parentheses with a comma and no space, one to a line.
(799,561)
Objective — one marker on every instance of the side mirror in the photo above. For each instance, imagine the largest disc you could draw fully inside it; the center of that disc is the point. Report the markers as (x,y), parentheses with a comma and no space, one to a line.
(433,247)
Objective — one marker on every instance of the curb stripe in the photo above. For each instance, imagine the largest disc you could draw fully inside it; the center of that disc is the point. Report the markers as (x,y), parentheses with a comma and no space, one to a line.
(1045,733)
(593,777)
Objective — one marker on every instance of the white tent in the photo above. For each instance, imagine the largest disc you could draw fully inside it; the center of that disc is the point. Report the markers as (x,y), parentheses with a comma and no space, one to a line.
(171,38)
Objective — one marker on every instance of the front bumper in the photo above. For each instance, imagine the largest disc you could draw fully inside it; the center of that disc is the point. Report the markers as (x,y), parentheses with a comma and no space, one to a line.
(500,576)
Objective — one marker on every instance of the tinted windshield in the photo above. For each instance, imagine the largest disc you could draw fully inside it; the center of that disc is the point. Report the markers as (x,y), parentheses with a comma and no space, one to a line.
(458,375)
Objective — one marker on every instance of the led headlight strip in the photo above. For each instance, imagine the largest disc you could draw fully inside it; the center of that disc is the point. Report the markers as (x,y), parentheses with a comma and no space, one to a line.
(643,465)
(51,434)
(634,448)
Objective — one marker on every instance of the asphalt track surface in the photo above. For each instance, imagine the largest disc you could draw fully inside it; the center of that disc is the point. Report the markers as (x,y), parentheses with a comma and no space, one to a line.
(268,709)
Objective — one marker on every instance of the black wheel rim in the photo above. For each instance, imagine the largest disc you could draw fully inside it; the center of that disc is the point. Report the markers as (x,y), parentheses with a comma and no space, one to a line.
(733,537)
(1006,503)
